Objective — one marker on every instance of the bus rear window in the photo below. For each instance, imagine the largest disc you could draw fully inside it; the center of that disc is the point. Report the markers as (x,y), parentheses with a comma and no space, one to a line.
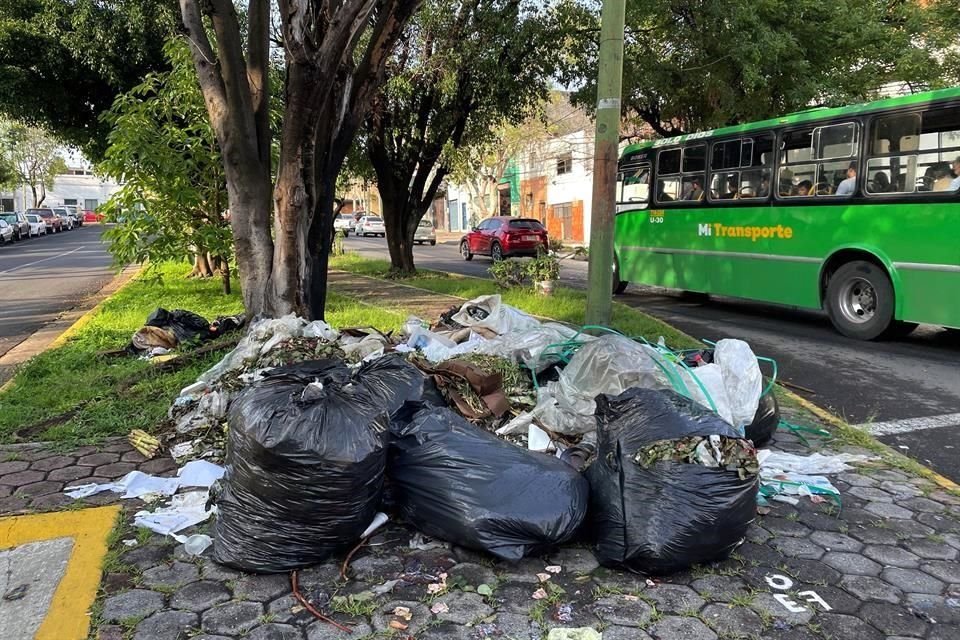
(531,225)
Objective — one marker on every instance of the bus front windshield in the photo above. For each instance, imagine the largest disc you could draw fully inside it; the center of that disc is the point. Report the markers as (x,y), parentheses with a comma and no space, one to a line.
(633,184)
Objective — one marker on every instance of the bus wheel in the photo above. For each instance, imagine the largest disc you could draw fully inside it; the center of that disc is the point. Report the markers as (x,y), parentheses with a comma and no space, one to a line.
(860,300)
(619,286)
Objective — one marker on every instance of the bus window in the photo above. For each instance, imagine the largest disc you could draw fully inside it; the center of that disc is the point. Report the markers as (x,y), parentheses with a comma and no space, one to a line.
(668,162)
(913,152)
(739,168)
(894,174)
(695,158)
(801,175)
(836,141)
(634,183)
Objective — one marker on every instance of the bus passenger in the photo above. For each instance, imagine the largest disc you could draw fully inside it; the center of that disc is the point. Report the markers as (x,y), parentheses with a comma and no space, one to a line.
(955,183)
(848,186)
(940,174)
(803,189)
(731,189)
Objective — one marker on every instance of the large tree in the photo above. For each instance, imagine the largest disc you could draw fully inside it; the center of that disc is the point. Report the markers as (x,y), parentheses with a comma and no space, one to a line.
(63,63)
(335,54)
(699,64)
(464,67)
(164,154)
(34,156)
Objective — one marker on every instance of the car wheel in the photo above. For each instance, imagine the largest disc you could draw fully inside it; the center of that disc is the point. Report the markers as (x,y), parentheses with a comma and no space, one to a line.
(859,300)
(496,252)
(433,243)
(619,286)
(465,251)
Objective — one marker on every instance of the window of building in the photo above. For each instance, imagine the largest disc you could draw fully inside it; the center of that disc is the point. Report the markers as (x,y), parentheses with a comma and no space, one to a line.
(6,204)
(913,152)
(563,210)
(564,164)
(72,201)
(815,161)
(740,169)
(90,203)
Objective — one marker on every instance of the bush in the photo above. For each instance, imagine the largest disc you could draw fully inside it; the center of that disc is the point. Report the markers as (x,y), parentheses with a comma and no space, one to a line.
(543,268)
(508,273)
(556,245)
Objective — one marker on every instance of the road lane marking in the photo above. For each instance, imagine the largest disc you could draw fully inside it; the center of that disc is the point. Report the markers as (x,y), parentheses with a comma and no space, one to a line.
(892,427)
(30,264)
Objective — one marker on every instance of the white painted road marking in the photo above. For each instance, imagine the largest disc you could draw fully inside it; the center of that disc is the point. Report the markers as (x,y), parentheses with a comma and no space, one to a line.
(910,424)
(30,264)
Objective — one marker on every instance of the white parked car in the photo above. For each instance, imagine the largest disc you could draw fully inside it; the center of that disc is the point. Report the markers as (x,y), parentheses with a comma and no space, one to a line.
(344,221)
(371,226)
(37,225)
(425,233)
(65,216)
(6,231)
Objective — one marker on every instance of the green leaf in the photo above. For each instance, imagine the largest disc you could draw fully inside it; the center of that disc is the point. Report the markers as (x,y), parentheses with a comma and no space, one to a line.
(485,590)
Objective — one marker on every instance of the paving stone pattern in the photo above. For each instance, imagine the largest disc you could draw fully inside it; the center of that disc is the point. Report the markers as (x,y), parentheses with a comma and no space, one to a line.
(882,573)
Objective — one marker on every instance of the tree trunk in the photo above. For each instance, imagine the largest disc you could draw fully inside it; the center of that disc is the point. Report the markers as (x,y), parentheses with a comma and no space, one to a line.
(225,275)
(201,266)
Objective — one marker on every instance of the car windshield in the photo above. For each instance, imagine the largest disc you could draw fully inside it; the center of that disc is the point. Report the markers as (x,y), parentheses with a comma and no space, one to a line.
(346,216)
(9,217)
(532,225)
(373,219)
(33,218)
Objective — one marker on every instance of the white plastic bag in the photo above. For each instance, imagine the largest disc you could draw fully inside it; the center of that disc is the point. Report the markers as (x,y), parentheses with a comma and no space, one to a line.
(527,346)
(500,317)
(742,379)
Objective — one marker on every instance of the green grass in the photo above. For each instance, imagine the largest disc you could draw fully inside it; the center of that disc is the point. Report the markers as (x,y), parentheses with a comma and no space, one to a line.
(71,396)
(565,305)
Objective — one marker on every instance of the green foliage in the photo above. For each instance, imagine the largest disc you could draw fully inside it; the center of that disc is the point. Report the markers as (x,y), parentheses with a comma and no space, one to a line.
(508,273)
(63,63)
(32,156)
(707,63)
(163,151)
(544,268)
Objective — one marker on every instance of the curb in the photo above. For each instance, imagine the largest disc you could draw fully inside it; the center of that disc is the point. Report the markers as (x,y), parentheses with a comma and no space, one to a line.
(826,416)
(105,292)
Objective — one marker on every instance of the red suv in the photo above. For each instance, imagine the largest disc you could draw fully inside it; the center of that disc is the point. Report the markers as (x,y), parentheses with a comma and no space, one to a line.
(504,236)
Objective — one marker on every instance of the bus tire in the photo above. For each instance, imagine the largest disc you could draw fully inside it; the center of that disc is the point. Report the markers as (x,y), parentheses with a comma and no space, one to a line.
(859,300)
(619,286)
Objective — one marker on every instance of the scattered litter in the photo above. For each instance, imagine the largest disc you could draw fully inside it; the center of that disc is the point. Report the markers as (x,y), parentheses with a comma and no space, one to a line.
(386,587)
(403,612)
(135,484)
(421,542)
(146,444)
(581,633)
(554,568)
(130,542)
(379,520)
(539,594)
(543,577)
(184,510)
(564,613)
(439,607)
(784,474)
(196,544)
(438,587)
(816,463)
(630,598)
(650,583)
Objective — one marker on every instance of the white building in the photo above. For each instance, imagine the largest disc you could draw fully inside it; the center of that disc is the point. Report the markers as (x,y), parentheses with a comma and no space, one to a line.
(79,186)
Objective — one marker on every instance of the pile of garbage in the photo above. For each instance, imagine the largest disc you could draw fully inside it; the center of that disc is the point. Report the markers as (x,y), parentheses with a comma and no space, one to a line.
(489,429)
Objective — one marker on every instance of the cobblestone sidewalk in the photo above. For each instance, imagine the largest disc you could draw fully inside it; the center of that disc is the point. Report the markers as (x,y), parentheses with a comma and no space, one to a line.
(885,566)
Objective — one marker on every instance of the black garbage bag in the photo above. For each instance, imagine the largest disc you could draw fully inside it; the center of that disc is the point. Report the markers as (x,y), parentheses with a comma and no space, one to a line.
(305,461)
(765,420)
(186,325)
(457,482)
(669,515)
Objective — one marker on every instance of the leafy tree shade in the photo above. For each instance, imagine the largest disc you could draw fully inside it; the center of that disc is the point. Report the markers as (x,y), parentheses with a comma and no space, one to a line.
(163,151)
(335,58)
(701,64)
(465,66)
(33,156)
(63,63)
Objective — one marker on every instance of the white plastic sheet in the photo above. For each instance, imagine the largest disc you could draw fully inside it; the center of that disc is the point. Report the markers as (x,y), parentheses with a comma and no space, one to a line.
(136,484)
(500,317)
(814,464)
(184,510)
(742,379)
(528,345)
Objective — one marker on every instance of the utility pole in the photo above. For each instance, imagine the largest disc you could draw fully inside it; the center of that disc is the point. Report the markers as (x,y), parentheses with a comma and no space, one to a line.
(609,80)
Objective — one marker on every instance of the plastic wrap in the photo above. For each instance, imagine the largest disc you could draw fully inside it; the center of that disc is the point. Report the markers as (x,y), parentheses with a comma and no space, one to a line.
(462,484)
(491,312)
(305,461)
(526,347)
(742,379)
(670,515)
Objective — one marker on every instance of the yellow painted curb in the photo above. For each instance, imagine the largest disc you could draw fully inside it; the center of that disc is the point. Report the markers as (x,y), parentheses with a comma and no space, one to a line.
(68,616)
(826,416)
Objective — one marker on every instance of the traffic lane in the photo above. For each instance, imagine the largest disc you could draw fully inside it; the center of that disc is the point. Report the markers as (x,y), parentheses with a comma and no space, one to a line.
(45,276)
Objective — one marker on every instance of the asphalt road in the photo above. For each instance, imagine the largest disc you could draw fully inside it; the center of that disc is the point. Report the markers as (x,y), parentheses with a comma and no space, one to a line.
(42,277)
(906,390)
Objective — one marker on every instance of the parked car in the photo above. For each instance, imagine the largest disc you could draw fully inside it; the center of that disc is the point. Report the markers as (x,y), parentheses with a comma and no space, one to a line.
(74,212)
(504,236)
(37,225)
(425,233)
(21,228)
(6,231)
(346,222)
(92,216)
(53,222)
(371,226)
(65,216)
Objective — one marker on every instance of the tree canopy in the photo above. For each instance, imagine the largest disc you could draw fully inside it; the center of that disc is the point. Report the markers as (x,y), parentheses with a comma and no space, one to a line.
(463,68)
(63,63)
(163,152)
(33,156)
(700,64)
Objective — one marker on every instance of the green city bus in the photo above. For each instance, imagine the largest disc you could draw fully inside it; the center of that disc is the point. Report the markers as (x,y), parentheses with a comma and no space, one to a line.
(854,210)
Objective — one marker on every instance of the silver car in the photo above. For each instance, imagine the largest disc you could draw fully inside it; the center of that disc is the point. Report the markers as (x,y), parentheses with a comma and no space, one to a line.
(371,226)
(344,221)
(65,216)
(425,233)
(6,231)
(38,227)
